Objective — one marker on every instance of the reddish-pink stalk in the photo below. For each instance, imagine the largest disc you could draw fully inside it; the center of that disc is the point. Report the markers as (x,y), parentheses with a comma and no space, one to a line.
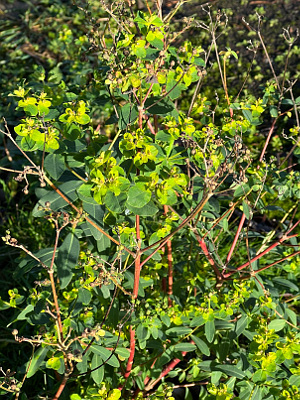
(280,241)
(165,371)
(170,265)
(209,257)
(131,356)
(150,126)
(55,298)
(147,94)
(170,272)
(267,141)
(236,238)
(276,262)
(137,272)
(137,262)
(61,387)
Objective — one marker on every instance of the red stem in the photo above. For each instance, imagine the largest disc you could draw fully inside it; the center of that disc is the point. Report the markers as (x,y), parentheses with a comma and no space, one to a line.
(170,265)
(132,350)
(165,371)
(276,262)
(268,139)
(150,126)
(137,272)
(61,387)
(280,241)
(209,257)
(137,262)
(236,238)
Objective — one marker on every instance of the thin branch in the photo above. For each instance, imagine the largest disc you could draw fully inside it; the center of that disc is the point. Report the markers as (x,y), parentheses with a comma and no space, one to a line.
(236,238)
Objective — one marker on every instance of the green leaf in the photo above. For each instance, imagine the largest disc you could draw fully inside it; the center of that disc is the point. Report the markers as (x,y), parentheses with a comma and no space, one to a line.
(115,203)
(165,319)
(202,346)
(142,332)
(235,106)
(230,370)
(27,144)
(82,119)
(158,105)
(248,115)
(148,210)
(246,209)
(105,354)
(197,321)
(55,165)
(257,393)
(68,254)
(38,358)
(127,115)
(209,330)
(155,38)
(286,283)
(56,201)
(199,61)
(174,88)
(45,255)
(71,132)
(292,316)
(96,213)
(277,324)
(31,109)
(215,377)
(138,197)
(163,136)
(273,111)
(184,347)
(52,114)
(178,331)
(259,376)
(98,374)
(241,190)
(122,352)
(75,396)
(85,194)
(241,325)
(54,363)
(23,314)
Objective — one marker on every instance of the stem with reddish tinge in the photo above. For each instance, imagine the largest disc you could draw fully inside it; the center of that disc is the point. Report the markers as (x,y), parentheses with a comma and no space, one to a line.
(137,271)
(268,139)
(280,241)
(236,238)
(51,271)
(170,265)
(165,371)
(276,262)
(131,356)
(209,257)
(61,387)
(137,262)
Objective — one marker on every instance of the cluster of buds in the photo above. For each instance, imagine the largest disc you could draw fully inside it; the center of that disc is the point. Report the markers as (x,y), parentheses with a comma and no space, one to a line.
(7,239)
(9,383)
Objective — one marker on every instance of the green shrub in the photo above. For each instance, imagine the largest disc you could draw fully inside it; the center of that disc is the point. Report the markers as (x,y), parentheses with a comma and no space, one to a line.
(169,236)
